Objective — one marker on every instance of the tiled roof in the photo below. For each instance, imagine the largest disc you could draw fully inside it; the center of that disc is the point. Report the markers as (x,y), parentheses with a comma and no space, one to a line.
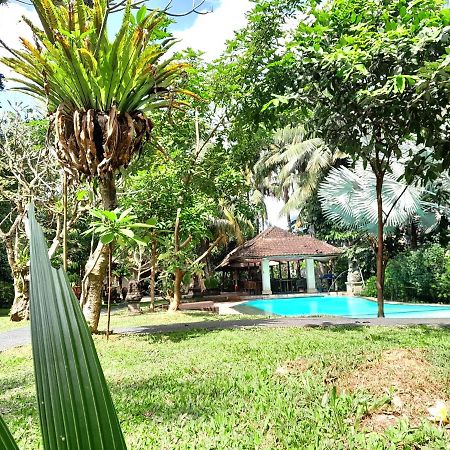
(276,242)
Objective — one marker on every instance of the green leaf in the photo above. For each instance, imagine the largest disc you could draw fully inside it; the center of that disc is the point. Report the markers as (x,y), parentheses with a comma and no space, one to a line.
(126,232)
(107,238)
(75,407)
(110,215)
(97,213)
(361,68)
(141,14)
(81,195)
(139,225)
(6,440)
(140,241)
(400,83)
(124,214)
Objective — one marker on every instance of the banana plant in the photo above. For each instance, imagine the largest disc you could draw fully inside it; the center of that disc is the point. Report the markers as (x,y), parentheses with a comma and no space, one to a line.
(75,407)
(115,228)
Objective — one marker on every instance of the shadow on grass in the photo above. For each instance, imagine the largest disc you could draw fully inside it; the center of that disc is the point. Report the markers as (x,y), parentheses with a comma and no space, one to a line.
(178,332)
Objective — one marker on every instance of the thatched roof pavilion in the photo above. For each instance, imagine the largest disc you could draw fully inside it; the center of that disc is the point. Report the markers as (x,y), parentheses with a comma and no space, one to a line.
(276,244)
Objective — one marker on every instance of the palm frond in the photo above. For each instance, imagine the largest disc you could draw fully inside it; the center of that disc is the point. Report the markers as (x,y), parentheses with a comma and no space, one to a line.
(75,64)
(348,197)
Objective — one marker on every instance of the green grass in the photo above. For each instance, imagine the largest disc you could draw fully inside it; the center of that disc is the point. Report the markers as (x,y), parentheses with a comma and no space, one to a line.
(121,318)
(204,390)
(6,324)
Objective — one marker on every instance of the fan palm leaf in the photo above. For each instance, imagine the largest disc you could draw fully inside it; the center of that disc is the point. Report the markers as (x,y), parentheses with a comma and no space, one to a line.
(348,197)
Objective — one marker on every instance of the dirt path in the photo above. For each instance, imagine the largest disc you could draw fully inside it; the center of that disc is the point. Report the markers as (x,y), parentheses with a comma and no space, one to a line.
(21,336)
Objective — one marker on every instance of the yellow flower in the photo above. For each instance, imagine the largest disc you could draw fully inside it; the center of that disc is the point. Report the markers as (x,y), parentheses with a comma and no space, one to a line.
(439,413)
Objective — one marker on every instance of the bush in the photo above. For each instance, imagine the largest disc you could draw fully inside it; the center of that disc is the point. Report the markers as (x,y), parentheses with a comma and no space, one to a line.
(370,289)
(421,275)
(6,293)
(212,282)
(442,285)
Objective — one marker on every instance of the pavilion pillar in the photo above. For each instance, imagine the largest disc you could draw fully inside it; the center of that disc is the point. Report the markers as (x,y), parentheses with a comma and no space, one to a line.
(310,276)
(265,273)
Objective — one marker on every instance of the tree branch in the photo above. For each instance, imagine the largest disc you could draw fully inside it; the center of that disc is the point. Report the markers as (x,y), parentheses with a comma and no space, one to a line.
(209,250)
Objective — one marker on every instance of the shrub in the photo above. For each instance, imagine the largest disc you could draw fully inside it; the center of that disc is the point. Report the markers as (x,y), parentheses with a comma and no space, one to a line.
(212,282)
(421,275)
(370,289)
(6,293)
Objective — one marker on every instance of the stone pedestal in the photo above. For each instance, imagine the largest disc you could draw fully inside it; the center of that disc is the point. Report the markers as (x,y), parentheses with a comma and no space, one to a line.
(354,287)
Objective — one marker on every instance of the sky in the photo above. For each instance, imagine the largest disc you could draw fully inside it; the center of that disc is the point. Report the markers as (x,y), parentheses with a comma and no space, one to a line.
(207,33)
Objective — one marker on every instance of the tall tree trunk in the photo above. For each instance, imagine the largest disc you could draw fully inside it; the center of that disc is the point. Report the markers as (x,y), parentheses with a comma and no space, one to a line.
(444,234)
(20,309)
(288,215)
(414,237)
(380,251)
(153,276)
(176,299)
(95,269)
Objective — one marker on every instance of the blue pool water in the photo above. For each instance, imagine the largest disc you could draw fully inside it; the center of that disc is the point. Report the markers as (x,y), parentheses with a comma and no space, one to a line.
(330,305)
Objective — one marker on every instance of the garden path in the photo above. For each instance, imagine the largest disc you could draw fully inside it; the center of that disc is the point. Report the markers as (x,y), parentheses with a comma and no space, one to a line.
(21,336)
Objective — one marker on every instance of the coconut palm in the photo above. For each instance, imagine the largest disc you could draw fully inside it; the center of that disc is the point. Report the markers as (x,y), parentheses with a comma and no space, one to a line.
(99,95)
(292,166)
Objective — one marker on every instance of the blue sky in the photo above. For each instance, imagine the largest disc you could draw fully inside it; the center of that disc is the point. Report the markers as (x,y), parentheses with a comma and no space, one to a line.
(177,7)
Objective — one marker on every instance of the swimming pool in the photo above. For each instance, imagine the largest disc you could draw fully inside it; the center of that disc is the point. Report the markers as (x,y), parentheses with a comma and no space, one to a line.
(333,305)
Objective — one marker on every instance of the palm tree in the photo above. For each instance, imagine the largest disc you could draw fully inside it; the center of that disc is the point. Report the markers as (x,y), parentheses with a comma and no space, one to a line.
(292,166)
(349,197)
(99,95)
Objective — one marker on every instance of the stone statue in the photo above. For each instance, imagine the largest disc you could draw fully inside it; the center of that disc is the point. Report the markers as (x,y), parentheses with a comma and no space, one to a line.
(134,296)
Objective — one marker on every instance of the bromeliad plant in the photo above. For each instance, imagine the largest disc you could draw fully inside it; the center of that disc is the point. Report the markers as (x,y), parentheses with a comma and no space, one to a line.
(99,92)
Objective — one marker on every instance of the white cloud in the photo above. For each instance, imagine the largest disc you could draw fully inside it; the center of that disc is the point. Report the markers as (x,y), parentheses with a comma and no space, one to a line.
(209,32)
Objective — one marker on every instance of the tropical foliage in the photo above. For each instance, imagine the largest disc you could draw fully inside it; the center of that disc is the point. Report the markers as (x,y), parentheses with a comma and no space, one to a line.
(348,196)
(421,275)
(99,100)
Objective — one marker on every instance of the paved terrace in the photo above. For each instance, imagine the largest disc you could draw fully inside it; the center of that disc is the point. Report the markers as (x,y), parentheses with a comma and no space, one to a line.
(21,336)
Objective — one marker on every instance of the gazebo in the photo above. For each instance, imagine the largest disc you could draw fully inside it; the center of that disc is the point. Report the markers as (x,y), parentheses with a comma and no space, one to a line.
(260,257)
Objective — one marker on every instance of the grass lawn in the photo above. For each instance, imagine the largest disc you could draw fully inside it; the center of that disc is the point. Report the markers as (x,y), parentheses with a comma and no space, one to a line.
(251,388)
(121,318)
(6,324)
